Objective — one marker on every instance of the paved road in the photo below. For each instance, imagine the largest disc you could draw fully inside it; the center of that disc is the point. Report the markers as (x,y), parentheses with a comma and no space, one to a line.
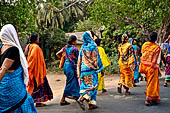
(112,102)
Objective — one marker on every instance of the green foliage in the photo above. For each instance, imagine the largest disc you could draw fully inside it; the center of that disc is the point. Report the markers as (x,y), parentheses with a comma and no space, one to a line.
(87,25)
(114,68)
(53,43)
(134,17)
(144,14)
(20,14)
(112,38)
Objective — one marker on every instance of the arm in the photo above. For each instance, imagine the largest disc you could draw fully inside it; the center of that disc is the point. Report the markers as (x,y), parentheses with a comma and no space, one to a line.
(99,63)
(136,55)
(79,63)
(79,67)
(166,41)
(118,55)
(26,50)
(58,54)
(5,66)
(102,73)
(163,58)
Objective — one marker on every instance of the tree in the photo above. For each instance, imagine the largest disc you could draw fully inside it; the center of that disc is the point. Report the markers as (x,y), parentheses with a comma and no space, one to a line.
(19,13)
(146,15)
(87,25)
(56,14)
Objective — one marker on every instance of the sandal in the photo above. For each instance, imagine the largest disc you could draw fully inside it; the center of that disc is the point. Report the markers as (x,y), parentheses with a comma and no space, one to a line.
(127,93)
(148,103)
(145,92)
(104,90)
(82,106)
(119,89)
(40,105)
(134,85)
(72,97)
(64,103)
(165,84)
(91,107)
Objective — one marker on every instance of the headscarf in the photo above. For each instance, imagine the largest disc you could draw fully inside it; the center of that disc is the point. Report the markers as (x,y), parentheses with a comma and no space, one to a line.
(130,40)
(126,51)
(89,51)
(9,36)
(88,41)
(124,38)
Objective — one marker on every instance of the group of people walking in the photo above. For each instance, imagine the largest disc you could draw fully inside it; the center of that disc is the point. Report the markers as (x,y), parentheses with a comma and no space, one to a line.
(129,67)
(23,80)
(84,65)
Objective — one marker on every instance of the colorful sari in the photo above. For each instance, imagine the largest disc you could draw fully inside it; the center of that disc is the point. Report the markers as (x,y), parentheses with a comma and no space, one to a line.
(126,63)
(105,61)
(136,73)
(38,86)
(150,59)
(72,87)
(89,65)
(167,71)
(13,92)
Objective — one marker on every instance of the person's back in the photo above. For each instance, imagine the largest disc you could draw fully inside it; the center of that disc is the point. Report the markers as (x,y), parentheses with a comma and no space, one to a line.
(38,86)
(151,56)
(71,54)
(126,52)
(89,65)
(106,62)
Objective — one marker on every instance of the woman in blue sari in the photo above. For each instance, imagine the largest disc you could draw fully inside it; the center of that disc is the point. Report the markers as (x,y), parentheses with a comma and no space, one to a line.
(13,75)
(135,53)
(89,65)
(72,87)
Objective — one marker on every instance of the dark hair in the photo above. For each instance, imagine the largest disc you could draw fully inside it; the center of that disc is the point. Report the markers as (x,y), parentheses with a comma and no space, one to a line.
(98,41)
(93,34)
(72,38)
(33,38)
(153,36)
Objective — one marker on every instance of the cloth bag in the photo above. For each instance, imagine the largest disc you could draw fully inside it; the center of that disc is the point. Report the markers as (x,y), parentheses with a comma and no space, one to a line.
(62,60)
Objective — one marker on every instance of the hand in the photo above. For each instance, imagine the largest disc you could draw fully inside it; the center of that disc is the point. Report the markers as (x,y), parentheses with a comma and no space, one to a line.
(165,66)
(102,73)
(78,73)
(132,67)
(159,73)
(138,64)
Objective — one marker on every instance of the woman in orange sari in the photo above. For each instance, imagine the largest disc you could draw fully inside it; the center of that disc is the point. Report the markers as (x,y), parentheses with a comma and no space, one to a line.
(126,64)
(150,59)
(38,86)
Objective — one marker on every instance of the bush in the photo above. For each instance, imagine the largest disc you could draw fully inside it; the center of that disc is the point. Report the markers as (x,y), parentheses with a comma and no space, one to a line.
(114,67)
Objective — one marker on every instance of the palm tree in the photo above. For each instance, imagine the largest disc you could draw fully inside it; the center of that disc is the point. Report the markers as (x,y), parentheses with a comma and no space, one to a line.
(47,16)
(55,13)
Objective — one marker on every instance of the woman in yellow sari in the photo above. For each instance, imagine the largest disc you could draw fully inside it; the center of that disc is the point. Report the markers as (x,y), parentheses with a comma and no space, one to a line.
(150,59)
(126,64)
(106,62)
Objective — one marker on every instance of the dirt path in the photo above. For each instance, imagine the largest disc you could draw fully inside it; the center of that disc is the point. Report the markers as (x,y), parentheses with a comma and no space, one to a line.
(57,84)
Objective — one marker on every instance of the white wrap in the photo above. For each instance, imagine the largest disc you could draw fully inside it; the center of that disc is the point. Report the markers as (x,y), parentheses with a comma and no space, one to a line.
(9,36)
